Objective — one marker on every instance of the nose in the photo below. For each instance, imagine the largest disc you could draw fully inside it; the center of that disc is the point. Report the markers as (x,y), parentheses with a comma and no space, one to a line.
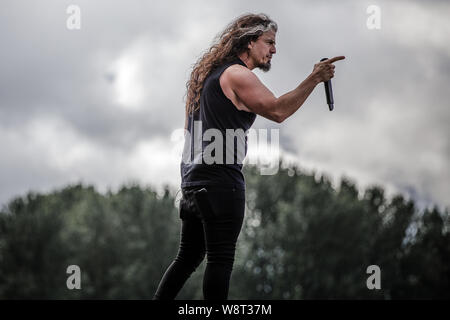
(273,50)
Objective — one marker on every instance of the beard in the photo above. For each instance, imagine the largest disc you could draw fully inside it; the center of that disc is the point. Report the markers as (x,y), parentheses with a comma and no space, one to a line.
(264,66)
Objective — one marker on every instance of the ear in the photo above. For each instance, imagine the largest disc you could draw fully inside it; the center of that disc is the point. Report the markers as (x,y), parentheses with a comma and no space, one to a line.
(250,45)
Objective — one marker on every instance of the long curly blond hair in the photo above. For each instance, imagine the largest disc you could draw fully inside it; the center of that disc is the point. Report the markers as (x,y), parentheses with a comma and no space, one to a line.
(227,45)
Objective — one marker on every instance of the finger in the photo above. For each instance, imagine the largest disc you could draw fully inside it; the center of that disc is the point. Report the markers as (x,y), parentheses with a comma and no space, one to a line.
(335,59)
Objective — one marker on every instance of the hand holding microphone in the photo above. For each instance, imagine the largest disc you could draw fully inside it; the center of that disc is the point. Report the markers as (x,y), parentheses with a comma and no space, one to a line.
(325,71)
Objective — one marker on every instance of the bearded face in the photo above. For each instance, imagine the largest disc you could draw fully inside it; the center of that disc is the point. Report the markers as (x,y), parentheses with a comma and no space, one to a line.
(261,50)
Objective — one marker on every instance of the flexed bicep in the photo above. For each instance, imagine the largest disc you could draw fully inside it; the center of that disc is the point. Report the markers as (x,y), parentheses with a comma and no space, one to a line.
(251,91)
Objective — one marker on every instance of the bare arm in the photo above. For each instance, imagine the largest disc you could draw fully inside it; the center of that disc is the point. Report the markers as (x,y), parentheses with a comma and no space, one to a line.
(260,100)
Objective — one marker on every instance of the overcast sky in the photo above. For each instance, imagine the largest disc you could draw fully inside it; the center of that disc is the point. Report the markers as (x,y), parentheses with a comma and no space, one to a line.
(103,105)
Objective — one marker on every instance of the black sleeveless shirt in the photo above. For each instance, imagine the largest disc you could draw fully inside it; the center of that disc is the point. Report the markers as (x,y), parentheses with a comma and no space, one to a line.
(202,163)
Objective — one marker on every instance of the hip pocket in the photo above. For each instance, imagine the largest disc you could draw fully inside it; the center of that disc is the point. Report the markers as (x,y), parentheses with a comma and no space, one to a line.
(188,207)
(220,203)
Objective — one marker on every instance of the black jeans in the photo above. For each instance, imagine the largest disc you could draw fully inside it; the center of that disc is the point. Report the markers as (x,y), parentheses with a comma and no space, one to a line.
(212,218)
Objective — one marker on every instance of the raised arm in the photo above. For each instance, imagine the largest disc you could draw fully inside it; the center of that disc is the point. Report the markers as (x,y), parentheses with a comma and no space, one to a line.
(248,92)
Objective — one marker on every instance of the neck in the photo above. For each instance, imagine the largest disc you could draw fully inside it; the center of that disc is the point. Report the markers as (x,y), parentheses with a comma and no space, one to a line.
(246,59)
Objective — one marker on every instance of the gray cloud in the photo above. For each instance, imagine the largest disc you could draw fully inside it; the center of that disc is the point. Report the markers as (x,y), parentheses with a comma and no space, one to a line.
(97,103)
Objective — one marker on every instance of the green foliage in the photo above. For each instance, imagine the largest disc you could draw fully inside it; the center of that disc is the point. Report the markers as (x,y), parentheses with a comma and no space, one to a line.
(302,238)
(120,241)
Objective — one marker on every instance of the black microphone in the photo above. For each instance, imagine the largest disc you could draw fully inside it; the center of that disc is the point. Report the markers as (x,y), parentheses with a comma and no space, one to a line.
(329,92)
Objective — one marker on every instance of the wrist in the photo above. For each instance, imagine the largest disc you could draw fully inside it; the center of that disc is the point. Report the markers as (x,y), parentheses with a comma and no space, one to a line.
(314,78)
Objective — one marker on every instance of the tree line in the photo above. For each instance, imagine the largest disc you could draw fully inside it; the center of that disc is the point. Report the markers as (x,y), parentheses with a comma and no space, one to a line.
(302,238)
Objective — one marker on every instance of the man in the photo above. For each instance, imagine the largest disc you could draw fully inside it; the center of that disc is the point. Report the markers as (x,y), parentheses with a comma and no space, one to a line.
(222,95)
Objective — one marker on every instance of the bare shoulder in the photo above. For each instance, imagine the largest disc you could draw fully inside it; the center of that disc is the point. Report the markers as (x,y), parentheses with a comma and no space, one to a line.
(233,76)
(237,73)
(230,79)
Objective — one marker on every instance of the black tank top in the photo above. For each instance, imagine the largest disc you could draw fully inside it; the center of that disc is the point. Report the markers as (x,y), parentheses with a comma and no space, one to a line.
(202,163)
